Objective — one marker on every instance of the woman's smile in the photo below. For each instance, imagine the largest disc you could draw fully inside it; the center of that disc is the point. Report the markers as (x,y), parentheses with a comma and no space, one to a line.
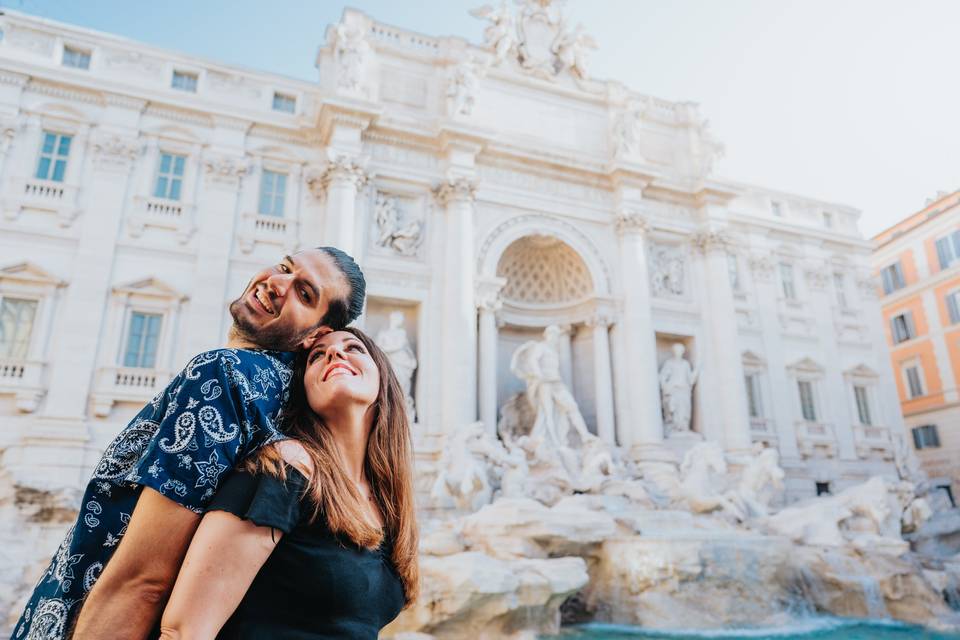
(338,369)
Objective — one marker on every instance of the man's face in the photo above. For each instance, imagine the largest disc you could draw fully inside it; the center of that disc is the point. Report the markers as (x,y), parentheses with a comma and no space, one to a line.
(283,305)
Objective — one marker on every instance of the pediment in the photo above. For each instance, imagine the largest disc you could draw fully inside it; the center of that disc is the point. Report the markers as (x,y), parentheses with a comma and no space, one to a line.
(153,287)
(753,359)
(29,273)
(806,365)
(861,371)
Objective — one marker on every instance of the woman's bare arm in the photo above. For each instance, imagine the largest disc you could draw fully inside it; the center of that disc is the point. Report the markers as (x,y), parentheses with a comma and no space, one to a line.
(224,557)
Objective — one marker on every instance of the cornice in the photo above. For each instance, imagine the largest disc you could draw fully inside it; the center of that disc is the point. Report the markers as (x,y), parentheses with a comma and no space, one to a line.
(67,93)
(179,115)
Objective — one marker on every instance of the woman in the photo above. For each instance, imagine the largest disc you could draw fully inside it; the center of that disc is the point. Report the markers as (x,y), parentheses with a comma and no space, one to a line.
(316,537)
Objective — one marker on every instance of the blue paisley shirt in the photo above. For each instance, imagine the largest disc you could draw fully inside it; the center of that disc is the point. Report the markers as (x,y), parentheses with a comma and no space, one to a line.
(224,405)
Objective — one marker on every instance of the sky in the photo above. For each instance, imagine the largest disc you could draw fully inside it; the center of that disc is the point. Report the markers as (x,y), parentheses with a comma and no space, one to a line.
(852,101)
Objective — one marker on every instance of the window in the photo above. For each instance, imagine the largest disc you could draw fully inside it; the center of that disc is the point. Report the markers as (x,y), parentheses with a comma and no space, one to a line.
(840,285)
(776,208)
(949,491)
(53,156)
(948,249)
(807,406)
(285,103)
(892,276)
(863,404)
(733,270)
(273,188)
(828,220)
(902,327)
(76,58)
(953,306)
(914,381)
(754,404)
(184,81)
(823,488)
(926,437)
(142,337)
(16,325)
(786,280)
(169,176)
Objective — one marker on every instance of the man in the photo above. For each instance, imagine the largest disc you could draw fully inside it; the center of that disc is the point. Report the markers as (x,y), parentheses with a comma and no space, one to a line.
(140,509)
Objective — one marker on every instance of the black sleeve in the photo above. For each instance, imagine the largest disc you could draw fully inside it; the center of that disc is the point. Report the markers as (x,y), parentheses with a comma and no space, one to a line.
(265,500)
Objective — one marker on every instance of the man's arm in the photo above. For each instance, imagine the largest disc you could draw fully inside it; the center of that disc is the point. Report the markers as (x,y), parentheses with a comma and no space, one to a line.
(130,594)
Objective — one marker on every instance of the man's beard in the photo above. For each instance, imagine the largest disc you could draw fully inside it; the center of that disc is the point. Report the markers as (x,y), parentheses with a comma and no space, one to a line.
(273,337)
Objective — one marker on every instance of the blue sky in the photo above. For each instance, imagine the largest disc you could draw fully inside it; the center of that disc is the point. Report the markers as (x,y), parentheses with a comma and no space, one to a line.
(847,100)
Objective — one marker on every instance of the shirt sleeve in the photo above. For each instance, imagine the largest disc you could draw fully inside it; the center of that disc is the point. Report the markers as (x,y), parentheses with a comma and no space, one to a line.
(263,499)
(204,432)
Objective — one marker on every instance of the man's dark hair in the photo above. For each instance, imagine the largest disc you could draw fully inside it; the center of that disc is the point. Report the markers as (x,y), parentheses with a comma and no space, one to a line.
(343,311)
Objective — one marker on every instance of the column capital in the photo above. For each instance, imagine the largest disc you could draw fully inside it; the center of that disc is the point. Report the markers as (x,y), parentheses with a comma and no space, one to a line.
(340,169)
(599,319)
(456,190)
(488,294)
(225,169)
(710,240)
(632,221)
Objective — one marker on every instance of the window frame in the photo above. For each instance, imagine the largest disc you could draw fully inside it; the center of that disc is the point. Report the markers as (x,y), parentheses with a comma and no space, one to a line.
(840,289)
(170,176)
(917,365)
(791,295)
(863,405)
(185,73)
(74,50)
(280,97)
(922,437)
(137,310)
(811,384)
(947,243)
(37,300)
(892,277)
(909,328)
(951,300)
(754,391)
(54,156)
(275,194)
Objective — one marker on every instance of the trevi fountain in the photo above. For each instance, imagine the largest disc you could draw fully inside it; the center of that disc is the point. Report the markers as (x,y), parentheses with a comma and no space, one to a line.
(645,398)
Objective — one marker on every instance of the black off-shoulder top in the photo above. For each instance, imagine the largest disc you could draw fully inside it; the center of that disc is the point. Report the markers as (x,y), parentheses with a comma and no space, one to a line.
(315,585)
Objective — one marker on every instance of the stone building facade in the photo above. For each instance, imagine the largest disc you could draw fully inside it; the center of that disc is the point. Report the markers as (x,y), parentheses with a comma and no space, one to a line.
(918,264)
(488,190)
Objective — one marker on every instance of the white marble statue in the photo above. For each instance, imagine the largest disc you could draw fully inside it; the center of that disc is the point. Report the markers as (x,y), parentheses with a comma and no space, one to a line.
(760,479)
(500,35)
(462,88)
(352,54)
(701,488)
(571,48)
(396,344)
(627,128)
(393,232)
(677,378)
(666,271)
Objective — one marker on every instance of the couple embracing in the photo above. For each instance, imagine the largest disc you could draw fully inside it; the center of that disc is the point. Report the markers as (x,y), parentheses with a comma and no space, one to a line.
(265,493)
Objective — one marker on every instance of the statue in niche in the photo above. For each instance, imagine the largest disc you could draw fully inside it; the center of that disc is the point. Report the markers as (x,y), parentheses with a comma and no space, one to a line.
(395,343)
(666,273)
(677,378)
(500,35)
(626,130)
(352,51)
(462,88)
(393,232)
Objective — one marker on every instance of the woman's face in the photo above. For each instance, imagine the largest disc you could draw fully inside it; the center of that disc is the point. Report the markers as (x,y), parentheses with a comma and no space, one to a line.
(340,371)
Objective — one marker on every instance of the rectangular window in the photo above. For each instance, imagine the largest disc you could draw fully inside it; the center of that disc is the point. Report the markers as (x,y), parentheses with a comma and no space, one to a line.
(733,270)
(753,395)
(142,337)
(828,220)
(840,285)
(184,81)
(948,249)
(53,156)
(76,58)
(776,208)
(892,276)
(823,488)
(914,383)
(273,189)
(902,327)
(786,280)
(170,176)
(285,103)
(953,306)
(807,407)
(16,325)
(863,404)
(926,437)
(949,491)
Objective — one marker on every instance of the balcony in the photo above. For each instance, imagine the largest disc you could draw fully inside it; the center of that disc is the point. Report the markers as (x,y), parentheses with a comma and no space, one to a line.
(161,213)
(275,230)
(24,380)
(126,384)
(816,439)
(873,442)
(763,430)
(44,195)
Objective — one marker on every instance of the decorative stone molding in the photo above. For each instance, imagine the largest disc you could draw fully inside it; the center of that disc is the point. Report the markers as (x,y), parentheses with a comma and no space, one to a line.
(115,151)
(706,241)
(543,270)
(225,169)
(126,102)
(599,319)
(667,271)
(762,267)
(179,115)
(817,278)
(397,229)
(456,190)
(868,287)
(339,169)
(630,221)
(233,124)
(12,78)
(66,93)
(488,295)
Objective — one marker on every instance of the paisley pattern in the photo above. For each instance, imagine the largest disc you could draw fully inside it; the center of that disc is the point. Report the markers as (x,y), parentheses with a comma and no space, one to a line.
(220,408)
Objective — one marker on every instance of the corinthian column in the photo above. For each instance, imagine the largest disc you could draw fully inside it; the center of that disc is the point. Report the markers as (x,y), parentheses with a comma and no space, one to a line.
(725,362)
(488,304)
(340,182)
(458,370)
(603,381)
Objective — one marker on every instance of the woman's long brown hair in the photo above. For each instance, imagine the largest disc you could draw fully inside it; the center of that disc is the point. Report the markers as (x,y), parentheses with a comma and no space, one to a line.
(388,467)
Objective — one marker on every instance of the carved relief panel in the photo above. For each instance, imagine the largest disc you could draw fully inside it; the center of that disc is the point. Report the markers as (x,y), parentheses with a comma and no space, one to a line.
(398,224)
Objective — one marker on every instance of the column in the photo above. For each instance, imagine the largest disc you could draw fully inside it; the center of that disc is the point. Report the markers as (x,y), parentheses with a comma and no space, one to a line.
(726,362)
(602,379)
(644,432)
(458,371)
(340,181)
(566,354)
(488,304)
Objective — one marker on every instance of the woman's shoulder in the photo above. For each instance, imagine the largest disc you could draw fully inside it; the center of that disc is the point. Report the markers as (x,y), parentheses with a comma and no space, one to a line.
(293,453)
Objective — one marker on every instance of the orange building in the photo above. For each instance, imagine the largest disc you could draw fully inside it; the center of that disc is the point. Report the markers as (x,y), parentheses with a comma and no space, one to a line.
(918,265)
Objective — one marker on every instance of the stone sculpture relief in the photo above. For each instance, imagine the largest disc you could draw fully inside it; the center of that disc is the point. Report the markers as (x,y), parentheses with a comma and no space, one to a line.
(667,268)
(352,54)
(394,230)
(462,88)
(396,344)
(677,378)
(627,128)
(500,36)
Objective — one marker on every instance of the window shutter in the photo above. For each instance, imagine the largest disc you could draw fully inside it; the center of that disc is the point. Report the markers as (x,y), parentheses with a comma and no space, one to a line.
(911,328)
(934,435)
(887,280)
(916,438)
(952,308)
(943,252)
(955,237)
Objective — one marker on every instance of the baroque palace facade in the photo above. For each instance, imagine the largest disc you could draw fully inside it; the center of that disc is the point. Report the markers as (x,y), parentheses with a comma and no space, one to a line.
(488,190)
